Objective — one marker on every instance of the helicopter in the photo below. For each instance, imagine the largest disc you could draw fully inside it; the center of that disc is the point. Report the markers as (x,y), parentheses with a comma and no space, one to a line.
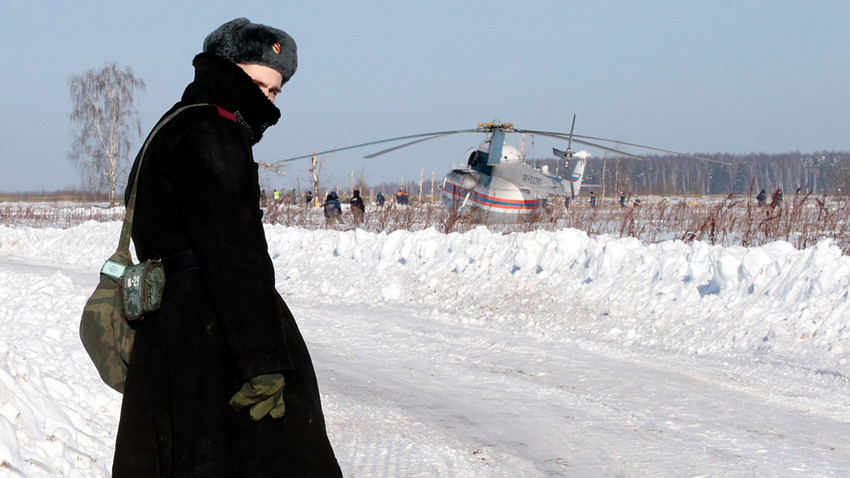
(496,185)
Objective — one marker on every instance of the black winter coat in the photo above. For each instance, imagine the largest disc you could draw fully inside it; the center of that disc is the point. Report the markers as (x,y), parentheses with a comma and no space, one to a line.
(220,323)
(357,203)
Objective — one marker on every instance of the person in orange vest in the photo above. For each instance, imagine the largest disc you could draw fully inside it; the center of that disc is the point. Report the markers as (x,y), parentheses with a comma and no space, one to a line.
(401,196)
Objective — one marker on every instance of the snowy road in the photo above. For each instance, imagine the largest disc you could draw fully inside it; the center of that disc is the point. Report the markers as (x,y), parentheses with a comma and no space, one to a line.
(449,400)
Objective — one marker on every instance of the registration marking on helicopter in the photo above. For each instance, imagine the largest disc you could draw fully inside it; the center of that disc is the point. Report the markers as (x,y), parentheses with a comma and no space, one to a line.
(531,179)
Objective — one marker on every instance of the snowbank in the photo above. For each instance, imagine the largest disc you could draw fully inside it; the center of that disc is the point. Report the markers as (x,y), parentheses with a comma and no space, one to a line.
(770,304)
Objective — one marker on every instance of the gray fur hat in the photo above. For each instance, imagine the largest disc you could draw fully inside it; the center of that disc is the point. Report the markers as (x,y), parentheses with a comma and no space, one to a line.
(241,41)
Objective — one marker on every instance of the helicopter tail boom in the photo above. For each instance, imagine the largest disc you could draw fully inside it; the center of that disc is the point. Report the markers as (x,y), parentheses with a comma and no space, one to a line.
(577,160)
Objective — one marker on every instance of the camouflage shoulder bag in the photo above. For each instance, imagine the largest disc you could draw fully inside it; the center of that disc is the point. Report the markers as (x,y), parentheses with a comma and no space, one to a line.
(125,293)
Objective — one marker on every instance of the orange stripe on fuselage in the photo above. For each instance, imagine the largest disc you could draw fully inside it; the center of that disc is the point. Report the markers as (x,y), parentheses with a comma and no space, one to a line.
(491,201)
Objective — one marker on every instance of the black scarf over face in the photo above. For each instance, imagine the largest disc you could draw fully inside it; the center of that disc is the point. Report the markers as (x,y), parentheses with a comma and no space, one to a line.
(221,82)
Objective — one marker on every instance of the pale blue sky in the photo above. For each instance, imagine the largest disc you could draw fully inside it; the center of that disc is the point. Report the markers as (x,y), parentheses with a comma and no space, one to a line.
(700,77)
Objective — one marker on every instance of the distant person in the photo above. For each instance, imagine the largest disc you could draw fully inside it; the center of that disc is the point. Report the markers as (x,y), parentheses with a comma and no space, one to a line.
(762,197)
(293,197)
(592,199)
(358,207)
(777,197)
(276,195)
(309,197)
(636,203)
(401,196)
(380,199)
(333,210)
(622,199)
(567,201)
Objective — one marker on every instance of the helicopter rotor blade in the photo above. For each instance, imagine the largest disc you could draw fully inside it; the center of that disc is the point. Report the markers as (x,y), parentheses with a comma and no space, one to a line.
(435,136)
(581,139)
(624,143)
(572,128)
(371,143)
(586,143)
(563,154)
(606,148)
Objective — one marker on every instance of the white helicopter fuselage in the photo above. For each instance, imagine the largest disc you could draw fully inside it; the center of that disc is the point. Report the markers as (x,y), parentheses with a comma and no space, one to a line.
(506,192)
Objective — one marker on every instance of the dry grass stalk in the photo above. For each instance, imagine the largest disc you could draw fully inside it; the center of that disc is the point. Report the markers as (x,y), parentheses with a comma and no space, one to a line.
(802,220)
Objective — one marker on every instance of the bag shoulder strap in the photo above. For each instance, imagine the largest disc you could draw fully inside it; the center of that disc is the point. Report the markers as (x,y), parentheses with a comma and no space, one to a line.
(127,227)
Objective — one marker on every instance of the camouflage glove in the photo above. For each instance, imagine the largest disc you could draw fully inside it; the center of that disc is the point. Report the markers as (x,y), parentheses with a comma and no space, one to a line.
(263,394)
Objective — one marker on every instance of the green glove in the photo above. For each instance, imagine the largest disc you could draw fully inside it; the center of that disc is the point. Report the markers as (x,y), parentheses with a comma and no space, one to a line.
(263,394)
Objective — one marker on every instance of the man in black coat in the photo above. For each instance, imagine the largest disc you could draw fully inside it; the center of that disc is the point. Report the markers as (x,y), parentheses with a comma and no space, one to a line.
(358,207)
(220,382)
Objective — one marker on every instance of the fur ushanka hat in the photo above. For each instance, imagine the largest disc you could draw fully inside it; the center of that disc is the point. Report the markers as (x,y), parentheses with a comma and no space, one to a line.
(241,41)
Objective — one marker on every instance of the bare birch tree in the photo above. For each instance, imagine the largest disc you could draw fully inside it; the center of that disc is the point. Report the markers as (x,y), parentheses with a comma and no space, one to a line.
(316,164)
(105,117)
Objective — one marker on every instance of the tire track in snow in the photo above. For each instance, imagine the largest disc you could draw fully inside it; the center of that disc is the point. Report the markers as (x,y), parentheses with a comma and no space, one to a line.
(532,408)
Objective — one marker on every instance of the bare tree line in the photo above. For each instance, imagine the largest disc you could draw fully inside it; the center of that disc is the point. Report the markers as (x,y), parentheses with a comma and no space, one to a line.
(824,172)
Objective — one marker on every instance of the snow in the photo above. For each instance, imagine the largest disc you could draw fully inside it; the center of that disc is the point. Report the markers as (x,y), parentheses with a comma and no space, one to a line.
(486,354)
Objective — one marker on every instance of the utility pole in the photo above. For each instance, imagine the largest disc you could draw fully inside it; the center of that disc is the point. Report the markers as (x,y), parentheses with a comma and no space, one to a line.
(421,182)
(604,168)
(315,171)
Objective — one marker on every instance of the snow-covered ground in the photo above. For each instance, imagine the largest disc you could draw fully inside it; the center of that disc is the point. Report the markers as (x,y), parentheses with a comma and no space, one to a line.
(486,354)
